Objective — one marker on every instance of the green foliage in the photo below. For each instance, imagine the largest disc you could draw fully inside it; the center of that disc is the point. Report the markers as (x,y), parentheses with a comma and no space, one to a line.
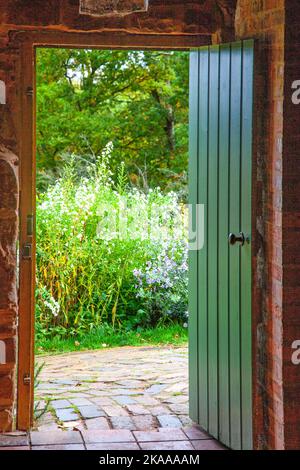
(39,410)
(95,266)
(136,100)
(107,337)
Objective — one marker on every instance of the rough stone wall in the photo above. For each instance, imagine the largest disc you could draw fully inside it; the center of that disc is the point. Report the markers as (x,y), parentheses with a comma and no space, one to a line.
(168,16)
(291,228)
(265,20)
(9,194)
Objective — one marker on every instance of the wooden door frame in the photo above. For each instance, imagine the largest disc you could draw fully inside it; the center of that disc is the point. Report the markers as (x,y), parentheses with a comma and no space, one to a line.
(28,42)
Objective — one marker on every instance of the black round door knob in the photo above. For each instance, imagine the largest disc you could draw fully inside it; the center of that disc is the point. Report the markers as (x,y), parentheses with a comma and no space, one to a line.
(233,239)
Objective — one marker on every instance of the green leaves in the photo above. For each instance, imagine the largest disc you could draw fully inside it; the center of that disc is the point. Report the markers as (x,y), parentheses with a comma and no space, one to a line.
(86,266)
(137,100)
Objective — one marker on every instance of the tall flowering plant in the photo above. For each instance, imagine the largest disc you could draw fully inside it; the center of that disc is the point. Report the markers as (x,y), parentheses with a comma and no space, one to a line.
(108,254)
(162,284)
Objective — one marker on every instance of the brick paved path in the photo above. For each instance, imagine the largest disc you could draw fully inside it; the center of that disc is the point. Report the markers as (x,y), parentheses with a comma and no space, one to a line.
(117,399)
(191,438)
(125,388)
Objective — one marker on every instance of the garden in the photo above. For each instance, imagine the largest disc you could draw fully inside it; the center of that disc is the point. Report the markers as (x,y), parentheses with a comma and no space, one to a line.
(112,265)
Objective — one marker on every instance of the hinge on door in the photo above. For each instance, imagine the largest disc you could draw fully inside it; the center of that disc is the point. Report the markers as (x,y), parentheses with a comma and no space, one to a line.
(27,251)
(30,220)
(26,379)
(29,91)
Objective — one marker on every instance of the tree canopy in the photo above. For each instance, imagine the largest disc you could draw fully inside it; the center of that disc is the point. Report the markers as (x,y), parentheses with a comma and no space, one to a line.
(137,102)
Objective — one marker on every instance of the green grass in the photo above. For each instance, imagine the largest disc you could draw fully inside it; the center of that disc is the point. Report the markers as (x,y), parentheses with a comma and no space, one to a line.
(104,338)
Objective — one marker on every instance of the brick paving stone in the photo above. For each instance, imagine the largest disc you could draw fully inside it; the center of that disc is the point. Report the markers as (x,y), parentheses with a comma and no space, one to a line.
(67,414)
(207,444)
(144,422)
(74,425)
(80,401)
(113,446)
(102,401)
(15,448)
(156,388)
(159,410)
(115,410)
(98,423)
(195,432)
(179,408)
(172,445)
(176,399)
(55,437)
(169,421)
(78,394)
(186,421)
(124,400)
(60,404)
(120,391)
(63,382)
(11,441)
(90,411)
(160,435)
(137,409)
(113,435)
(131,383)
(147,400)
(122,422)
(52,426)
(60,447)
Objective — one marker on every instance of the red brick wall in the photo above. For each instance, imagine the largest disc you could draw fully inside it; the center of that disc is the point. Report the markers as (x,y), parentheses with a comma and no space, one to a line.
(264,20)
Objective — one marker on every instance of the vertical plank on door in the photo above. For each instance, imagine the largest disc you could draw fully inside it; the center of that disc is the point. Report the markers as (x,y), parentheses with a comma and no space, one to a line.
(212,271)
(203,253)
(246,211)
(223,281)
(193,254)
(234,257)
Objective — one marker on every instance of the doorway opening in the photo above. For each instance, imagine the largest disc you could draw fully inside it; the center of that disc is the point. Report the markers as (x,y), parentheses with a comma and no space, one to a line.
(220,134)
(111,239)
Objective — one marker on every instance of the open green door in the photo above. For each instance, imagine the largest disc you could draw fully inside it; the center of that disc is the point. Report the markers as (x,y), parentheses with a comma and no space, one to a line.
(220,175)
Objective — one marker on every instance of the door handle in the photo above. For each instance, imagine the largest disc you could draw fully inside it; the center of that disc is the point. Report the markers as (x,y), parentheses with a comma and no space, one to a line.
(233,239)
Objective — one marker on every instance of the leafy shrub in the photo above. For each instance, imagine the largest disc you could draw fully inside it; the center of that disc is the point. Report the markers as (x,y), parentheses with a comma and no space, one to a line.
(97,251)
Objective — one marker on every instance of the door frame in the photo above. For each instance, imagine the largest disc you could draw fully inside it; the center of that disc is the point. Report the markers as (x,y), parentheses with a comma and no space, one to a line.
(28,42)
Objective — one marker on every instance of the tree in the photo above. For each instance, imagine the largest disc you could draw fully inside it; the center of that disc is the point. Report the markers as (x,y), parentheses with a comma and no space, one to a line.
(136,100)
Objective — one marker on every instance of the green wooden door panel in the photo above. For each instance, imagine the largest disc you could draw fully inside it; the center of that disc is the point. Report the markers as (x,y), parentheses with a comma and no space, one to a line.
(193,255)
(223,247)
(212,240)
(221,96)
(202,254)
(234,252)
(246,216)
